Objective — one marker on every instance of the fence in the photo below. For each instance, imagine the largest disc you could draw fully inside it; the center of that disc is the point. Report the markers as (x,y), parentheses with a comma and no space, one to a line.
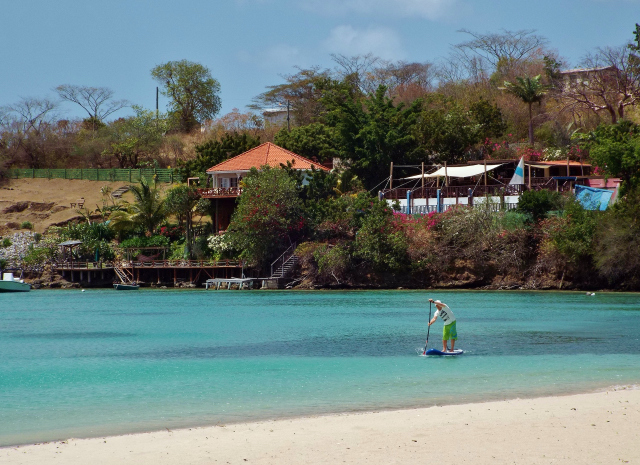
(97,174)
(426,209)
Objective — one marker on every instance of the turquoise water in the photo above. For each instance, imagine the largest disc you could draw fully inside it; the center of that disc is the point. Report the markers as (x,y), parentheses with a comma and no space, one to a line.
(77,364)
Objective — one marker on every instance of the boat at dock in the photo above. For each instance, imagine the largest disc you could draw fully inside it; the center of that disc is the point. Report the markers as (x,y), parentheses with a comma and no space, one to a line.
(126,287)
(11,284)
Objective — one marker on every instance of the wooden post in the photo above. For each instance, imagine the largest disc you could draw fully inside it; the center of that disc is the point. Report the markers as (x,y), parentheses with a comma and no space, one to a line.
(217,224)
(485,175)
(423,179)
(174,277)
(391,177)
(568,167)
(446,179)
(529,177)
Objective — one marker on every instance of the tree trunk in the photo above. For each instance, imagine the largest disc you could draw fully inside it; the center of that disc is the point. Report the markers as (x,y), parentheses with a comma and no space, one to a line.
(612,112)
(530,125)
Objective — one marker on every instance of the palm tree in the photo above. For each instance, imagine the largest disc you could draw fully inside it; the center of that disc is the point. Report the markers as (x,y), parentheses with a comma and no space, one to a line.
(530,90)
(147,210)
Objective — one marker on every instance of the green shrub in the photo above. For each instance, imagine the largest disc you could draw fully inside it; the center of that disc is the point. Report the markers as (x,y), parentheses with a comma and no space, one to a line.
(539,203)
(37,237)
(617,245)
(26,225)
(333,261)
(3,263)
(36,256)
(6,242)
(177,251)
(143,241)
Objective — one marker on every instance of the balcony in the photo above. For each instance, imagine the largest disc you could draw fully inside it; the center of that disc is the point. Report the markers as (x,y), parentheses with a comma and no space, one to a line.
(220,192)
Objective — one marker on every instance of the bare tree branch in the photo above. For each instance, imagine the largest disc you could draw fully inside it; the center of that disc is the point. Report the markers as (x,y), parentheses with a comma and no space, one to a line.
(509,45)
(607,82)
(96,101)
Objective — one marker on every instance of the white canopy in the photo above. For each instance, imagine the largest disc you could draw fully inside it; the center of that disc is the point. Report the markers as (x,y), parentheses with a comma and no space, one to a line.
(458,171)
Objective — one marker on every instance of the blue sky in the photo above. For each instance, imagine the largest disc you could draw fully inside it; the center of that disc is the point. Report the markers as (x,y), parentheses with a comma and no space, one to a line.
(248,44)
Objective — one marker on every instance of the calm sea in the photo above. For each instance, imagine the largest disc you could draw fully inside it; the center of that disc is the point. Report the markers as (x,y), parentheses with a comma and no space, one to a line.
(78,364)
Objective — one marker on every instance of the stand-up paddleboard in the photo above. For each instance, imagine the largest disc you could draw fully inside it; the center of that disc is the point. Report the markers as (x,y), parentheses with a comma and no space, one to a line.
(439,352)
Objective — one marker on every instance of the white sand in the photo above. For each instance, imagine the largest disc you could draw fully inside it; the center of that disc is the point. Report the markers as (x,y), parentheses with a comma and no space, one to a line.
(597,428)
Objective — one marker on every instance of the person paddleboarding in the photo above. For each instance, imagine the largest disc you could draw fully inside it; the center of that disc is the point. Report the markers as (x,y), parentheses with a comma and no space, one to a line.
(449,332)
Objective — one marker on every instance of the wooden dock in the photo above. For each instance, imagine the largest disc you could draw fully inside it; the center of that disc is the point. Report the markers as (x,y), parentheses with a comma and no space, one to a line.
(159,271)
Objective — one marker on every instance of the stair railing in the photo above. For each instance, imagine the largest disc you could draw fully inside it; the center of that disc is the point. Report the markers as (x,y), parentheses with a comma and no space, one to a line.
(282,259)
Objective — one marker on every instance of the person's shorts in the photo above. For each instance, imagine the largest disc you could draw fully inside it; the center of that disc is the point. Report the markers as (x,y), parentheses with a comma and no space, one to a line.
(450,332)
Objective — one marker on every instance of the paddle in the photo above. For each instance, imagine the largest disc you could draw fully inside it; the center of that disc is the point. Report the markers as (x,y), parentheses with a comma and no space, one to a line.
(428,328)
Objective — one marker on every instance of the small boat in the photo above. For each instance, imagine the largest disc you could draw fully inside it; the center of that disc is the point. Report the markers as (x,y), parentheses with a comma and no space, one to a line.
(126,287)
(11,284)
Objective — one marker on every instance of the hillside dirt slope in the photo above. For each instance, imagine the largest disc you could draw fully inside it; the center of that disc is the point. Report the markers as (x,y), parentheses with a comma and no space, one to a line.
(46,202)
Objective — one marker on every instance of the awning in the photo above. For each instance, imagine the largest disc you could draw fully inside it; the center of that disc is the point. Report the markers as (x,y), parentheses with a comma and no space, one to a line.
(458,171)
(541,167)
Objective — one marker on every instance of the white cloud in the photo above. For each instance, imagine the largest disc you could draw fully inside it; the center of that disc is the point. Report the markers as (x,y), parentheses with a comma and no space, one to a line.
(380,41)
(428,9)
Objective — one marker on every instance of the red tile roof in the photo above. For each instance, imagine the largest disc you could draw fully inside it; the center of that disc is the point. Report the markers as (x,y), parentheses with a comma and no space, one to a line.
(561,163)
(265,154)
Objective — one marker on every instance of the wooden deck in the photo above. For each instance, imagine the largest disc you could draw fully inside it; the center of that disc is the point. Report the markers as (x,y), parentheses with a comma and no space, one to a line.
(154,271)
(153,264)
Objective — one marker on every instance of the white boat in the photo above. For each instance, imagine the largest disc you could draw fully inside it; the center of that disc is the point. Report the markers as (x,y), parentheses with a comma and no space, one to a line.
(11,284)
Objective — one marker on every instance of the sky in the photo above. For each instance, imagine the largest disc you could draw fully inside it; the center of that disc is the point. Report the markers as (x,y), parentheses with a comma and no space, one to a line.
(249,44)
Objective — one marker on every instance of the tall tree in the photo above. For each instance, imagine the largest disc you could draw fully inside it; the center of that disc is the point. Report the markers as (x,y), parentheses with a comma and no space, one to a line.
(131,140)
(301,90)
(193,92)
(505,49)
(530,90)
(181,201)
(371,132)
(27,131)
(215,151)
(616,149)
(96,101)
(608,83)
(313,141)
(269,216)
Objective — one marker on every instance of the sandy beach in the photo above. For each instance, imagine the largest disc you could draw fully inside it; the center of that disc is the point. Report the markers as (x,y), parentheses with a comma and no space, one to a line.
(594,428)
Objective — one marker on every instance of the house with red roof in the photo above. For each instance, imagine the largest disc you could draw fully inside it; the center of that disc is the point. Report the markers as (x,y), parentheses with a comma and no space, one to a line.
(226,176)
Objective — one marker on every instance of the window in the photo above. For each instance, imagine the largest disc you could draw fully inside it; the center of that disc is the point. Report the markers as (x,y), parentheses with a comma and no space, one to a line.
(228,182)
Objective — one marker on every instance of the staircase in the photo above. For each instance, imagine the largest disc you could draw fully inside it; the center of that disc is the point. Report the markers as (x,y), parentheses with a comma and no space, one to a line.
(116,194)
(123,275)
(285,268)
(285,263)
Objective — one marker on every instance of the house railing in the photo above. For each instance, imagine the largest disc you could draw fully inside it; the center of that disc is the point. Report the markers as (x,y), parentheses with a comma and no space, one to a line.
(82,265)
(220,192)
(479,190)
